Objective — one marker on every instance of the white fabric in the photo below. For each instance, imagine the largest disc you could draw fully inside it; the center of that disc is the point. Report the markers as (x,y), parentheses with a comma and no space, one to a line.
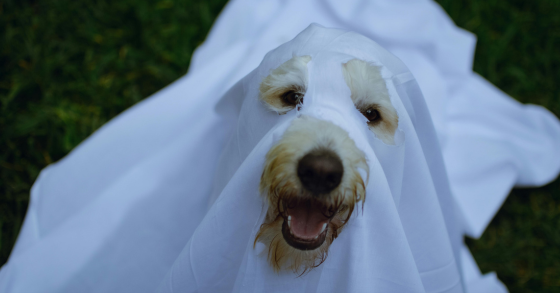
(129,210)
(385,248)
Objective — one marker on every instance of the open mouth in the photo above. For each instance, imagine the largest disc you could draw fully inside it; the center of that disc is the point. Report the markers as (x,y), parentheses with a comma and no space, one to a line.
(306,223)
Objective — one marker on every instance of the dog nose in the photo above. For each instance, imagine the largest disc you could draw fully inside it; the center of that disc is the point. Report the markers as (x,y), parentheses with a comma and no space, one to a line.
(320,171)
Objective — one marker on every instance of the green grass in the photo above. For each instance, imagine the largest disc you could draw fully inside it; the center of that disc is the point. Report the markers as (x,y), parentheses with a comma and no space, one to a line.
(67,67)
(518,50)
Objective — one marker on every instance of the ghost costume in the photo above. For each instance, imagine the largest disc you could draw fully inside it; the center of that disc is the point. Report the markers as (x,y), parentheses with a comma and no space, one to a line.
(165,198)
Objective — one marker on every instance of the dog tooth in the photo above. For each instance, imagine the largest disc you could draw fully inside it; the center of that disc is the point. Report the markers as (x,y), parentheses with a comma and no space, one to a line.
(290,221)
(316,237)
(324,226)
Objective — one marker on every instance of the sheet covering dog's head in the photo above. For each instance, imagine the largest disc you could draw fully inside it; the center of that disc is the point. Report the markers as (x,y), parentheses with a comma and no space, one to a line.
(327,175)
(311,180)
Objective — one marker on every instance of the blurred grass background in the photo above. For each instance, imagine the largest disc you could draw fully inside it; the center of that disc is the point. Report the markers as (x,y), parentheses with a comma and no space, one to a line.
(67,67)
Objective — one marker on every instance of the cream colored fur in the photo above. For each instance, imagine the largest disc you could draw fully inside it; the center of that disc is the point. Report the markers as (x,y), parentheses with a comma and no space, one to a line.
(370,91)
(290,76)
(280,183)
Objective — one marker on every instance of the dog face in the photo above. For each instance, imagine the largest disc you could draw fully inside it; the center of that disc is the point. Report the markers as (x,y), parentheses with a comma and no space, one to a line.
(311,178)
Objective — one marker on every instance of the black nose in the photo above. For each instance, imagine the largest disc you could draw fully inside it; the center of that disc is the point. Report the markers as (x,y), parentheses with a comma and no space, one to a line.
(320,171)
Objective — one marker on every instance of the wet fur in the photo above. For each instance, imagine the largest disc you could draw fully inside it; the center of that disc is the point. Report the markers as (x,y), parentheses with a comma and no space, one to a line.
(280,184)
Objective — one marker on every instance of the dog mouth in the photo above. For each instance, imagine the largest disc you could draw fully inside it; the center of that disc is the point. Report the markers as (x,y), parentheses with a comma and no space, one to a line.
(306,223)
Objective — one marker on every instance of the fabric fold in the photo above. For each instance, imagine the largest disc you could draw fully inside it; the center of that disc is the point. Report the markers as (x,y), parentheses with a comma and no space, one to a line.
(165,197)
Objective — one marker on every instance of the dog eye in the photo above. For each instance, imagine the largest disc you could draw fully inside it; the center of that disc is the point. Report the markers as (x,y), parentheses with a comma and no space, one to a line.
(292,98)
(371,114)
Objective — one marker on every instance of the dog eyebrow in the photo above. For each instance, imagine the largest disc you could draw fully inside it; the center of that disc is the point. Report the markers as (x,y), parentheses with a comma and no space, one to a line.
(291,75)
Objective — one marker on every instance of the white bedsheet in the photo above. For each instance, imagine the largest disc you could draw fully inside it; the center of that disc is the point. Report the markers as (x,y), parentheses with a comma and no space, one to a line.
(118,214)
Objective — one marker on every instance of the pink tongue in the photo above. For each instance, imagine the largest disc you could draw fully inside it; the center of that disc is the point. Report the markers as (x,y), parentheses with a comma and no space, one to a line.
(306,221)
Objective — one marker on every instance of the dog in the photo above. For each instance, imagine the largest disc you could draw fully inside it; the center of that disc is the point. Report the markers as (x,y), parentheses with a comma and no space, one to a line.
(311,180)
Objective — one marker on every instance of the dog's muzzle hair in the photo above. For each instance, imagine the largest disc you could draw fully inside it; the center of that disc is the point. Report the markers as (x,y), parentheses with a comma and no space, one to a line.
(311,183)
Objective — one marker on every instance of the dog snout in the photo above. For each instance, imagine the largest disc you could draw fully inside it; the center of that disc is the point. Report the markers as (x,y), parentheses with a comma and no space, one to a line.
(320,171)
